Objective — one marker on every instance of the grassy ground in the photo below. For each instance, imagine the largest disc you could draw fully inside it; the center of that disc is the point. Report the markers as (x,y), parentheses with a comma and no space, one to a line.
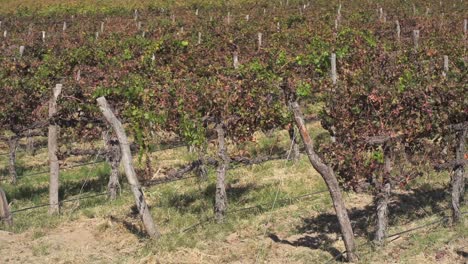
(281,230)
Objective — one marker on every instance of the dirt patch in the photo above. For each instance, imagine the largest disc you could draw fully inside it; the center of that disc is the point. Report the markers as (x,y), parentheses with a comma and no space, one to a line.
(82,241)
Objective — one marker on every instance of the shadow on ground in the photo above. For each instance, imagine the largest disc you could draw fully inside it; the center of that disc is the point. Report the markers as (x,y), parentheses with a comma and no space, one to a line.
(405,207)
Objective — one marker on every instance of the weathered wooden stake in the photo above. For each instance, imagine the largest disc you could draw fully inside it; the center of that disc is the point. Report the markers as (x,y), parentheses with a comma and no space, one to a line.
(5,34)
(135,15)
(64,26)
(398,30)
(416,39)
(446,66)
(229,18)
(196,12)
(465,27)
(21,51)
(102,27)
(199,38)
(129,169)
(78,75)
(259,40)
(43,36)
(329,177)
(236,60)
(54,206)
(12,145)
(5,214)
(334,75)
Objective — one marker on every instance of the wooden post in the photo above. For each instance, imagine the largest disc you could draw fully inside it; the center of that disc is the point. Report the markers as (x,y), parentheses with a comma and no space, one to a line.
(416,39)
(78,75)
(102,27)
(398,30)
(140,201)
(5,34)
(97,35)
(5,214)
(12,145)
(446,66)
(259,40)
(43,36)
(135,14)
(221,196)
(465,27)
(229,18)
(236,60)
(21,51)
(334,75)
(64,26)
(196,12)
(329,177)
(54,206)
(199,38)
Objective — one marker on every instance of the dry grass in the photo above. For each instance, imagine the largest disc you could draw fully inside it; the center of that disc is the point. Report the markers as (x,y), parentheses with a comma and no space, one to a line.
(297,231)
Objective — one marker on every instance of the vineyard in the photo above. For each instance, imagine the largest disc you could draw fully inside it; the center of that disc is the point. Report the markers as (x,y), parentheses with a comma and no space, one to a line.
(233,132)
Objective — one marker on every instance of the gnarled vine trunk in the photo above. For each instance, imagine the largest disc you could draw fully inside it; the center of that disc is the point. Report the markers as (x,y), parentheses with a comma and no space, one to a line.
(328,175)
(458,177)
(5,214)
(221,196)
(295,154)
(382,199)
(12,145)
(113,157)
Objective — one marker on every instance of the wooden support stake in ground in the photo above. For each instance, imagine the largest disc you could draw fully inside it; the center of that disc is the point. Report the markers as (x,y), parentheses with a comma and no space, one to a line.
(5,214)
(221,196)
(43,36)
(54,206)
(140,201)
(21,51)
(236,60)
(328,175)
(398,30)
(64,26)
(199,38)
(334,75)
(259,40)
(12,145)
(446,66)
(416,39)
